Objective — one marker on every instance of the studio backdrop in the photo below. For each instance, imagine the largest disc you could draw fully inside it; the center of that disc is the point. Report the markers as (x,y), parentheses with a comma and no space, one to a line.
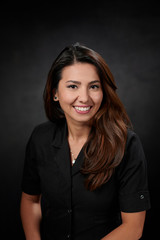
(129,41)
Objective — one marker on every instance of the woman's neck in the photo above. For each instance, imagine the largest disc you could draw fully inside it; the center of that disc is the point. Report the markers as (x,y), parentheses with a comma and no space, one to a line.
(78,132)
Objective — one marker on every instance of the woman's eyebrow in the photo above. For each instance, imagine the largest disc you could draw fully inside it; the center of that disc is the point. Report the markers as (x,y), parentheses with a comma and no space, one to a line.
(95,81)
(77,82)
(73,81)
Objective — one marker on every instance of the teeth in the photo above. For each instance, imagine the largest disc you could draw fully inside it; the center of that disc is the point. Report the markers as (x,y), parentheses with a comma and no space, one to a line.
(82,108)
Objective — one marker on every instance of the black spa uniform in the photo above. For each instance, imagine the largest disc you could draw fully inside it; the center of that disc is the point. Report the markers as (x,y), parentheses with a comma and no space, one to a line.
(69,211)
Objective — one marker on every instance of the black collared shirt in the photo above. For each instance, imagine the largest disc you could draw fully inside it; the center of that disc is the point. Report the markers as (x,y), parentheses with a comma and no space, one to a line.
(69,211)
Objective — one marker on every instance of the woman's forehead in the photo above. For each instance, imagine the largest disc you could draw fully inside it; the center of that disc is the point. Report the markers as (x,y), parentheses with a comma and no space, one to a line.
(80,72)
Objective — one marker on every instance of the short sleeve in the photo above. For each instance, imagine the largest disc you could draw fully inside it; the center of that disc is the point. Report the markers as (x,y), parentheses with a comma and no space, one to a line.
(132,177)
(30,178)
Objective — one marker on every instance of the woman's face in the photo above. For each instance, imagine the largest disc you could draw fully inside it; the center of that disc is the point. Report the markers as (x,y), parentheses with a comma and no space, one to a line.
(79,92)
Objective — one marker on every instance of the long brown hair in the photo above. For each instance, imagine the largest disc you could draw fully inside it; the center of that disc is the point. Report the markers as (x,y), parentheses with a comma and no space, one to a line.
(105,146)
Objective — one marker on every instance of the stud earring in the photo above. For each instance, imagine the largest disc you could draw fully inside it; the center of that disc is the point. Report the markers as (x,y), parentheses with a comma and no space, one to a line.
(55,97)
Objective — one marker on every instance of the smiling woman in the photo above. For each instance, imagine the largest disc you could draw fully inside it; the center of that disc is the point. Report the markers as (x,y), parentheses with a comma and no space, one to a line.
(80,98)
(74,69)
(85,174)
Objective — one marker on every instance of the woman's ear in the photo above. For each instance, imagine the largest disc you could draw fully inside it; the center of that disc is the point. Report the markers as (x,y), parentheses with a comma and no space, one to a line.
(55,95)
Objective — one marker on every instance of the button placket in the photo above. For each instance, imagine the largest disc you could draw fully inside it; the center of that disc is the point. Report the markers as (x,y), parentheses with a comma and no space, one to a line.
(69,211)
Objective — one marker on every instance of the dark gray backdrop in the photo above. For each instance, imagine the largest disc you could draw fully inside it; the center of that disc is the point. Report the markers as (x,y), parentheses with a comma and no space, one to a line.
(128,37)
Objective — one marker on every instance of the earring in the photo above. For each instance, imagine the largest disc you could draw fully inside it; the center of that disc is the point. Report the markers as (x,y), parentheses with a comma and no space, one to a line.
(55,97)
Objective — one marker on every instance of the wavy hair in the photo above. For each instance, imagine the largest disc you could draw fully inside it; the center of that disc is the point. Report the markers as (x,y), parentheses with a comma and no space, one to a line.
(105,146)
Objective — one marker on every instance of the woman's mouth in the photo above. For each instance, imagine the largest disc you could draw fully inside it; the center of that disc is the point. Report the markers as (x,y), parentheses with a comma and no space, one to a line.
(82,109)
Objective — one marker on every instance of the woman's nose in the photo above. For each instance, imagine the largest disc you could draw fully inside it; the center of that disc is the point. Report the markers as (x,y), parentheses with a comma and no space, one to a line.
(83,95)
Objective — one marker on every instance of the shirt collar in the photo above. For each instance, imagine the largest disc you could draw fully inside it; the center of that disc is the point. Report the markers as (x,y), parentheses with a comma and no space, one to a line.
(60,133)
(63,158)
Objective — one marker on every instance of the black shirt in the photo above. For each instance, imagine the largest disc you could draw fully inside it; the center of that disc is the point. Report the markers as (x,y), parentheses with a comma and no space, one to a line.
(69,211)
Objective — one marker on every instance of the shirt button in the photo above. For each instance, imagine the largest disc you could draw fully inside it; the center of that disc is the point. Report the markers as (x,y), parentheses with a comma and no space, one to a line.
(68,236)
(141,196)
(69,211)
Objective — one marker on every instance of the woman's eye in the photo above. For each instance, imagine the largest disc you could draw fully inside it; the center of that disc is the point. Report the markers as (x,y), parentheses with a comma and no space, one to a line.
(94,86)
(72,86)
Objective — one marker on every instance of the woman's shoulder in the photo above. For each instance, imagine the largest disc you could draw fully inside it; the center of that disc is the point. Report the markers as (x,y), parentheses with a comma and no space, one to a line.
(134,154)
(131,133)
(134,148)
(45,130)
(43,127)
(132,138)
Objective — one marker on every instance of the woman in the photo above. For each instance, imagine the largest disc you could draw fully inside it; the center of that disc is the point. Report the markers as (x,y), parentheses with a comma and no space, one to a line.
(85,172)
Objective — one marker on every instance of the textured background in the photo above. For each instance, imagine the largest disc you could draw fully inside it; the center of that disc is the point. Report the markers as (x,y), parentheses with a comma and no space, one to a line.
(128,38)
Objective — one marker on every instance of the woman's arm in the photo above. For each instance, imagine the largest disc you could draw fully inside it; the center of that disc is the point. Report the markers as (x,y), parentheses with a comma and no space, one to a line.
(130,229)
(30,211)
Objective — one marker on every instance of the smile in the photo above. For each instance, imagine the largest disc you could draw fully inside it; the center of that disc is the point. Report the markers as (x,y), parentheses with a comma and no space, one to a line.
(82,109)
